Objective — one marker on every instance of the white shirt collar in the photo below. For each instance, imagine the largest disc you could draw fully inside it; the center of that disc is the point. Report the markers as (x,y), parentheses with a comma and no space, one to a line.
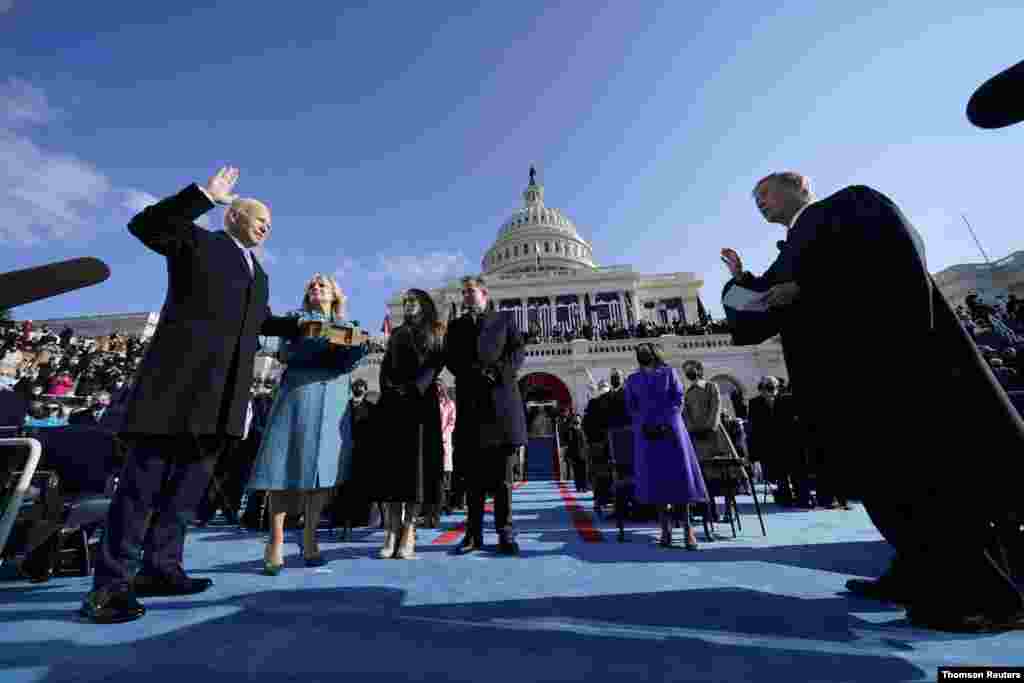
(797,215)
(242,246)
(245,252)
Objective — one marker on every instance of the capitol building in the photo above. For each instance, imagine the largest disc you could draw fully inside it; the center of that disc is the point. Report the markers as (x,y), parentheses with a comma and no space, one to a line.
(547,276)
(543,272)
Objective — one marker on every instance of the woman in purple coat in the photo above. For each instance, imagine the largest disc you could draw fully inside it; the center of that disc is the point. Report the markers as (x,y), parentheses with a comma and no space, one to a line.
(666,469)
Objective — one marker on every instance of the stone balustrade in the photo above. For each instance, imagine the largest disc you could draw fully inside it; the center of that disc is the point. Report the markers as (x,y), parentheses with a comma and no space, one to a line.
(671,344)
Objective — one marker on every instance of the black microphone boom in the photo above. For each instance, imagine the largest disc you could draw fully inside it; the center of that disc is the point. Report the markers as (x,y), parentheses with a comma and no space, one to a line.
(20,287)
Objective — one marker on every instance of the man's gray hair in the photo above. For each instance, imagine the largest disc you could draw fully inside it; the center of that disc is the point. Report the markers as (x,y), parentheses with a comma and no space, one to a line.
(790,180)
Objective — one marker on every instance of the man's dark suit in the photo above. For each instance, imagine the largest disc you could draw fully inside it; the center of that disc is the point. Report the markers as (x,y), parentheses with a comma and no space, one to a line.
(191,391)
(491,424)
(766,435)
(856,252)
(86,418)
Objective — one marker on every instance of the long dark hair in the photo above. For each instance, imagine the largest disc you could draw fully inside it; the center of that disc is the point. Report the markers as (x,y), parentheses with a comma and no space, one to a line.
(428,331)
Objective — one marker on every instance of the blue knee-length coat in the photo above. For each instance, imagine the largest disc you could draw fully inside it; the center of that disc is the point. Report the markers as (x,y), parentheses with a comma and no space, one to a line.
(308,441)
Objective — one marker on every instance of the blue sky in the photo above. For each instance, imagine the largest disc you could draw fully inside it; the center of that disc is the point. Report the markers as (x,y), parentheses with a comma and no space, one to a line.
(391,140)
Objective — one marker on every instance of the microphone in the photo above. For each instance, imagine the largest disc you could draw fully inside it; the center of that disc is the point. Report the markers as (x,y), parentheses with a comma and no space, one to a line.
(20,287)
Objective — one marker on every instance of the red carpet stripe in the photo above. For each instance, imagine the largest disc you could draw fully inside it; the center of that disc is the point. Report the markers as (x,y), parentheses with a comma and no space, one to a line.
(456,533)
(581,519)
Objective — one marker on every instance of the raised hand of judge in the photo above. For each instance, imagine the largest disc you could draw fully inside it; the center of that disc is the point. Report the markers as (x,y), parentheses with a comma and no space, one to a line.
(732,261)
(221,184)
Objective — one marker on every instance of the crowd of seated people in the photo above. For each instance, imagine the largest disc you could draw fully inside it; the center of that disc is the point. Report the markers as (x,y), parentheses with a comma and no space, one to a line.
(998,329)
(65,377)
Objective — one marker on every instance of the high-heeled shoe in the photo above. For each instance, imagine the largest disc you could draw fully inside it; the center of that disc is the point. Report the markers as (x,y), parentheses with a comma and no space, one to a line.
(691,540)
(270,568)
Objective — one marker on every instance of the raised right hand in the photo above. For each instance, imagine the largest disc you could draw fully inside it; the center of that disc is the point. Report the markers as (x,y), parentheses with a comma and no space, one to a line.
(732,261)
(221,184)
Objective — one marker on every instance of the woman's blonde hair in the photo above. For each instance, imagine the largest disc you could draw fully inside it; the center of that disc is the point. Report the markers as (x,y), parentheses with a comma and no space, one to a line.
(339,298)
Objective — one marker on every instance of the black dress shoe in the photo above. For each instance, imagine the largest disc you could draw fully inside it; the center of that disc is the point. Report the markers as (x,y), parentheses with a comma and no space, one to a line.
(469,544)
(146,585)
(111,606)
(507,545)
(981,622)
(878,589)
(38,566)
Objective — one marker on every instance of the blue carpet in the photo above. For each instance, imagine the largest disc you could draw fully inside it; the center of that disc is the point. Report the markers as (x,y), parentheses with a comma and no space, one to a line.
(748,609)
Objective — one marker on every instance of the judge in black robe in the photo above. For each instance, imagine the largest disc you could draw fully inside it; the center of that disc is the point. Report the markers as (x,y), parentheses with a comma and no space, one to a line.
(856,251)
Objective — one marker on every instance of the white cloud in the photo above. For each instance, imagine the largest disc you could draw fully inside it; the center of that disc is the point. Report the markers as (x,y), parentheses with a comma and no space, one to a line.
(43,194)
(425,270)
(23,104)
(48,194)
(137,200)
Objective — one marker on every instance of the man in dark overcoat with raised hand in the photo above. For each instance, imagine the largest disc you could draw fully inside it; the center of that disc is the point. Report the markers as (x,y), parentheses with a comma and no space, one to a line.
(484,352)
(855,252)
(190,396)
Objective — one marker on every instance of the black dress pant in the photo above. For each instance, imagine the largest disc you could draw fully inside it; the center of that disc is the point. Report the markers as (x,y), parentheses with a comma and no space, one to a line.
(490,471)
(579,472)
(163,480)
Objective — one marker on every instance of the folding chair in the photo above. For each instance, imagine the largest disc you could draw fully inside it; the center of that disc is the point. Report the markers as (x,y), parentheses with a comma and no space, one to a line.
(12,506)
(87,462)
(732,472)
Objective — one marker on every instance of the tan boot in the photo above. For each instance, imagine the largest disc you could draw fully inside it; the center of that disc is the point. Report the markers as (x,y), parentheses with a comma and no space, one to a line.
(407,545)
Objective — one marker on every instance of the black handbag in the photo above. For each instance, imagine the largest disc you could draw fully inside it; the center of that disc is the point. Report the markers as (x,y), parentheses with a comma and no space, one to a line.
(656,432)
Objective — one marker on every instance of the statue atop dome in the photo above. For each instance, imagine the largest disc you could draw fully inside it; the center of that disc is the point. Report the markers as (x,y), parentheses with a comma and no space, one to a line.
(533,175)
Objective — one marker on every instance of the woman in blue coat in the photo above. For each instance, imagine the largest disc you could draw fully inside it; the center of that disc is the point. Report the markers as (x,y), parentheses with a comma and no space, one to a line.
(307,447)
(666,469)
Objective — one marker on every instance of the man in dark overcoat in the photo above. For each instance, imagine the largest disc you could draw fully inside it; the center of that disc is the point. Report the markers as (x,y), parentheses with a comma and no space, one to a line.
(484,352)
(857,247)
(190,396)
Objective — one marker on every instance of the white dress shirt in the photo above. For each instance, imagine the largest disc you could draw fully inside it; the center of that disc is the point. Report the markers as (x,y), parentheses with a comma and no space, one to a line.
(796,216)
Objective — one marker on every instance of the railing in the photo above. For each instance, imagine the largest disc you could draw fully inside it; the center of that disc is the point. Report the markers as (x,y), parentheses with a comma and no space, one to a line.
(568,274)
(669,343)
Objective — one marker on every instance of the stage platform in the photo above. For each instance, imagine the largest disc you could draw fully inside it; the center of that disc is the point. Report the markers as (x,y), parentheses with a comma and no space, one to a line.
(576,605)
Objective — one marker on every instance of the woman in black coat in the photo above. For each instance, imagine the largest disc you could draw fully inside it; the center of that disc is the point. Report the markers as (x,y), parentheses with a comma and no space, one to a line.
(409,465)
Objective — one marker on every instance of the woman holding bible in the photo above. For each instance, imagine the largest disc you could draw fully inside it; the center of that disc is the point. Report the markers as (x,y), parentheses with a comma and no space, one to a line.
(665,465)
(306,449)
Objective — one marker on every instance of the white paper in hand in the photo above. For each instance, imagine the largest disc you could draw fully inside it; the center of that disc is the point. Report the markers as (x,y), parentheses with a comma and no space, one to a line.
(743,299)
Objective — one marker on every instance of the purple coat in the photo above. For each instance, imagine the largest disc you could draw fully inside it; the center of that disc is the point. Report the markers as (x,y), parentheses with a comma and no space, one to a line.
(666,470)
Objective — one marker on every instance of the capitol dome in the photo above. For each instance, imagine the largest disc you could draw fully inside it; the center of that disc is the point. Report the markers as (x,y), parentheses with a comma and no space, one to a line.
(537,238)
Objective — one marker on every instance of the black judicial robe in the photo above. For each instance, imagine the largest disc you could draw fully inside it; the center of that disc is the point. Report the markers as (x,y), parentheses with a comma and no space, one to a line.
(870,312)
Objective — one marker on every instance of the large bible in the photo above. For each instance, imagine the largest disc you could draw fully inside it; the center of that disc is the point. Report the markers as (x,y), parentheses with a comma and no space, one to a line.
(337,334)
